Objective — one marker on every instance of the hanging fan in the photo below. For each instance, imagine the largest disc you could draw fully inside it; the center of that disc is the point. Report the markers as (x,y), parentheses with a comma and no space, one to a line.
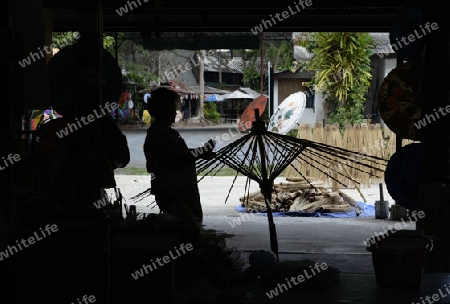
(399,102)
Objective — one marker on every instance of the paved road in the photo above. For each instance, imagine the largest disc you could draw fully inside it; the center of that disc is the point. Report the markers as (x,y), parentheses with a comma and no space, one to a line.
(194,137)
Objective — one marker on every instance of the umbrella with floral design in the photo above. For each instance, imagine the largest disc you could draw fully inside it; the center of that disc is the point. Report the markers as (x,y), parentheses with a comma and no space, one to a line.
(288,113)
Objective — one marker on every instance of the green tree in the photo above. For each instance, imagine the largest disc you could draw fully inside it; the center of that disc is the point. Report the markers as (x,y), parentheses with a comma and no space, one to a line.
(280,55)
(342,68)
(64,39)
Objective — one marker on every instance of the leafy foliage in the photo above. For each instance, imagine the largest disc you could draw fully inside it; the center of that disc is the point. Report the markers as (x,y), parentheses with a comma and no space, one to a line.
(63,39)
(351,112)
(251,76)
(139,63)
(280,56)
(210,112)
(343,72)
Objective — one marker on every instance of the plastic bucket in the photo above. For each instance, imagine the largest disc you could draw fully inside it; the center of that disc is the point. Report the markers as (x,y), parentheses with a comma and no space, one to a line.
(399,259)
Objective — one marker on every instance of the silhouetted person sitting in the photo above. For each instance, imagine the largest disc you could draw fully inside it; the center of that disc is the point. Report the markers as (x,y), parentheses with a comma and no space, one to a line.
(172,163)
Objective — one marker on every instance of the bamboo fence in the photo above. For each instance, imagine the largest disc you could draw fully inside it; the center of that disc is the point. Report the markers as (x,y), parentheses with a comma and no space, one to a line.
(365,138)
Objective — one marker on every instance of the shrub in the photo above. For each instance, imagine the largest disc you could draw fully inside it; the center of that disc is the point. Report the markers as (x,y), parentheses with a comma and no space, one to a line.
(210,112)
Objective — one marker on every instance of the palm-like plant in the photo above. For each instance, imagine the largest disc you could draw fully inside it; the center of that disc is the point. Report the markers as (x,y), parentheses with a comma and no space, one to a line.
(343,72)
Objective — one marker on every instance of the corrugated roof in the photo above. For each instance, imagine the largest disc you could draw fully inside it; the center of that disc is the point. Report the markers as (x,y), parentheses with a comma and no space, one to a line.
(382,44)
(237,63)
(173,85)
(209,90)
(250,92)
(212,65)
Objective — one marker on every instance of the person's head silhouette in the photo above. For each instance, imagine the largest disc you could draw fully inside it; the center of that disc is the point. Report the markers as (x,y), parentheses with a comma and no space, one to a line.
(162,106)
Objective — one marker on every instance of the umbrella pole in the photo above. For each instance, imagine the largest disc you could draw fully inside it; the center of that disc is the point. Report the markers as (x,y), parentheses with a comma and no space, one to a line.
(266,184)
(272,228)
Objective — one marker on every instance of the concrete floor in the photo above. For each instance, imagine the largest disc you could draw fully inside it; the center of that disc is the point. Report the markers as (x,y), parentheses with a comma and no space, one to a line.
(336,241)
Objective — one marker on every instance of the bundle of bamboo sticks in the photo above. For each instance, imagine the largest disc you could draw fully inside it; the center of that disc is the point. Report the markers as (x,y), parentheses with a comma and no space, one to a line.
(297,194)
(364,138)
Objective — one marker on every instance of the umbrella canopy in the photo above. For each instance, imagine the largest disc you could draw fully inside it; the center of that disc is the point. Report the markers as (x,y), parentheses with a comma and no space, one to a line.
(239,95)
(214,98)
(288,113)
(248,116)
(262,156)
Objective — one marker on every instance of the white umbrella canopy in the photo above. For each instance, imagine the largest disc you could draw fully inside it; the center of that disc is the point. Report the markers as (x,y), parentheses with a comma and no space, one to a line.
(288,113)
(238,99)
(238,95)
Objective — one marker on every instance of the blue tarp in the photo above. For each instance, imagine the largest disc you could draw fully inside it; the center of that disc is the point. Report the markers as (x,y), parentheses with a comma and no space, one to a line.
(366,211)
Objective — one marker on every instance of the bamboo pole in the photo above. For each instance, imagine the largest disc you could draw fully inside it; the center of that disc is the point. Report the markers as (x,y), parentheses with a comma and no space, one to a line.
(317,136)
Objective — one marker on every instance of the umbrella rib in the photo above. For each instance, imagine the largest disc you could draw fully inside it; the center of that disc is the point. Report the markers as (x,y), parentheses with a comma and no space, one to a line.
(304,177)
(235,163)
(346,154)
(328,174)
(342,151)
(209,171)
(296,149)
(330,160)
(247,190)
(232,185)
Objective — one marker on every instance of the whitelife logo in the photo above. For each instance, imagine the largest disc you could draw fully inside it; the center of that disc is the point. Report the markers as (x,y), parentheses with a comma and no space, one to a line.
(265,24)
(146,269)
(85,300)
(434,297)
(48,50)
(10,159)
(130,4)
(21,244)
(412,37)
(71,127)
(378,236)
(101,203)
(237,222)
(435,116)
(297,280)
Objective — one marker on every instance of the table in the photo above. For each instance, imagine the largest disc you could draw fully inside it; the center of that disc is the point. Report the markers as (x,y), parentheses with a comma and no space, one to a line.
(360,289)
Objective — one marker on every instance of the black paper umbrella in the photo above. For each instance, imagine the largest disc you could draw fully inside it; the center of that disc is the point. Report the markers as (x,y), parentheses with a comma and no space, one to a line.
(262,156)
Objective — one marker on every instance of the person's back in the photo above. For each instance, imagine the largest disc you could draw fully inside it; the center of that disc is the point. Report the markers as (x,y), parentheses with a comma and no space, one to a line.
(173,169)
(170,161)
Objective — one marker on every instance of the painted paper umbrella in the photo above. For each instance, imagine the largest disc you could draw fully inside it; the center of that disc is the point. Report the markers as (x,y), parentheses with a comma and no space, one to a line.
(248,116)
(288,113)
(399,101)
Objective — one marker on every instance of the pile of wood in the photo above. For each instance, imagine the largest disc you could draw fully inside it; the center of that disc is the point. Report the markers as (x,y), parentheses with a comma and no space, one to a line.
(299,195)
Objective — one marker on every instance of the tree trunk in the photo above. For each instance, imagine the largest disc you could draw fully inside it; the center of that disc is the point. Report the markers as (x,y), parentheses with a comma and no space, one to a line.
(200,112)
(200,116)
